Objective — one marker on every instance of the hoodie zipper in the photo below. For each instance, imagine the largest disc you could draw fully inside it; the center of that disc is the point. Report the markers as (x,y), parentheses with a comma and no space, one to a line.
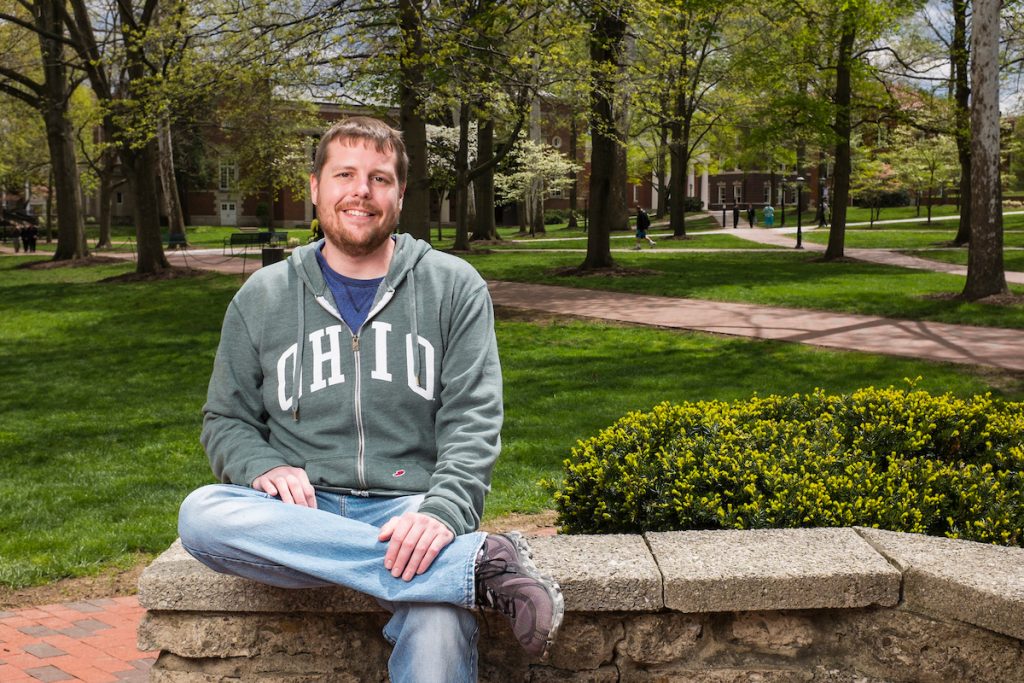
(357,360)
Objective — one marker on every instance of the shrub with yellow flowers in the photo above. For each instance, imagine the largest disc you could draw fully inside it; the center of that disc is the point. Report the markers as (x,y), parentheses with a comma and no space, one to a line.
(898,459)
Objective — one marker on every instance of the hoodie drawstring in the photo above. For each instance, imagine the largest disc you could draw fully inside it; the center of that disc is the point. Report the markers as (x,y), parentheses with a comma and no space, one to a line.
(297,370)
(411,277)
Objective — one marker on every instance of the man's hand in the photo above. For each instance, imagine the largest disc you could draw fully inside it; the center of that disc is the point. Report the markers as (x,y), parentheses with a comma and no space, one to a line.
(290,484)
(416,540)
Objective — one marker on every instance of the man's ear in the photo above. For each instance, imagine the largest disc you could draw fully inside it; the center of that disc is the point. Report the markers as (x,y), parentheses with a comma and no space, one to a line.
(401,196)
(313,187)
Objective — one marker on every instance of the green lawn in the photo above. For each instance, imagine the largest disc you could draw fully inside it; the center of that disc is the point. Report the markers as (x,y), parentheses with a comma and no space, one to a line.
(104,382)
(783,278)
(1013,260)
(898,238)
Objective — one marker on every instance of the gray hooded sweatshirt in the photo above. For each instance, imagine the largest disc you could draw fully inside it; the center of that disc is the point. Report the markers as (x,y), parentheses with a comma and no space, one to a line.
(410,403)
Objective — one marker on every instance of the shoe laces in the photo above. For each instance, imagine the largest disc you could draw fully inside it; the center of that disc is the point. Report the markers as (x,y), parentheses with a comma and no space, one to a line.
(487,596)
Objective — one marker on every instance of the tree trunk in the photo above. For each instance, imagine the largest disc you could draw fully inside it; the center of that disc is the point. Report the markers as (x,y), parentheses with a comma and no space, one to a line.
(462,182)
(606,36)
(841,128)
(141,165)
(959,56)
(415,218)
(60,137)
(573,193)
(172,202)
(985,274)
(677,180)
(483,185)
(659,171)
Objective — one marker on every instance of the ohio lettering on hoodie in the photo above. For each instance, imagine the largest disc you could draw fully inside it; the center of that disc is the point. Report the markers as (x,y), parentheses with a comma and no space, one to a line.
(409,403)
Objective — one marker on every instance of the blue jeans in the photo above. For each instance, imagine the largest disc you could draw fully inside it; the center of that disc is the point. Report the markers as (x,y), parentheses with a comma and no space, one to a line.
(244,532)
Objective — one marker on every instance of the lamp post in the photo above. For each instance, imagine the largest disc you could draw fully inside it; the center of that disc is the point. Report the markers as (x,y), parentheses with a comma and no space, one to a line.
(782,218)
(799,224)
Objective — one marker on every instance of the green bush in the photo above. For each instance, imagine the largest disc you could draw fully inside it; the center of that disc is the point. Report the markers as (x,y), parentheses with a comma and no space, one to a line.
(555,216)
(896,459)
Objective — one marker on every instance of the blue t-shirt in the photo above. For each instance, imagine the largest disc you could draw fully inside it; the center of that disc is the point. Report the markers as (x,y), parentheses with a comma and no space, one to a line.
(353,298)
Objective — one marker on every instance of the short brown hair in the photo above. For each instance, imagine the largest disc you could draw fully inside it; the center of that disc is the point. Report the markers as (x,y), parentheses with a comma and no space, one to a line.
(371,131)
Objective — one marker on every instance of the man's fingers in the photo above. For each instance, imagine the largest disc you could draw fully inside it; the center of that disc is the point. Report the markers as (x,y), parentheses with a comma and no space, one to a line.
(386,530)
(435,548)
(399,530)
(406,547)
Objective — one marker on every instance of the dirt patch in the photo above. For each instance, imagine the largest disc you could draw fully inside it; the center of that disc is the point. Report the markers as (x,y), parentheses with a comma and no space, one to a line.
(613,271)
(994,300)
(173,273)
(86,262)
(539,524)
(107,584)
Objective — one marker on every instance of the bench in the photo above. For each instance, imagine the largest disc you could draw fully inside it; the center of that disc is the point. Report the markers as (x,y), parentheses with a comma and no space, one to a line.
(244,240)
(175,240)
(837,605)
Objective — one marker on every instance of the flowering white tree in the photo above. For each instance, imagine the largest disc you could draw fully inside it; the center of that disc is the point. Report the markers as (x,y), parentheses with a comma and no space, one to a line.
(538,170)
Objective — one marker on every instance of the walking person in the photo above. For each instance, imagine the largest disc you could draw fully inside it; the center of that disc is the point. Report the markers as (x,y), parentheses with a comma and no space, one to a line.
(751,215)
(15,231)
(29,235)
(735,215)
(353,416)
(769,216)
(643,222)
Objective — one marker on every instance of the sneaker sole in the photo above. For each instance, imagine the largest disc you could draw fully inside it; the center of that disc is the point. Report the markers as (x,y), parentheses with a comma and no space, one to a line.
(550,585)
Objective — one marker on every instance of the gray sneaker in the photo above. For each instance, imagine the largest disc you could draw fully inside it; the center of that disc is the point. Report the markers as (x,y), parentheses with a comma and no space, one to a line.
(507,581)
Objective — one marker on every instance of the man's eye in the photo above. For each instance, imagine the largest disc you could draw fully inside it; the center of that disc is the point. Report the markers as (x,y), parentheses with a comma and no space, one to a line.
(380,179)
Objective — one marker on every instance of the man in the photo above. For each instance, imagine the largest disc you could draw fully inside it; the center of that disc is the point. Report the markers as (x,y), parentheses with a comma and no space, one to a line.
(643,222)
(735,215)
(354,414)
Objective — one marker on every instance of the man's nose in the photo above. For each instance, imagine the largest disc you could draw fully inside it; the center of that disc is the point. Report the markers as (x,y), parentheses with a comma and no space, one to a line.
(361,188)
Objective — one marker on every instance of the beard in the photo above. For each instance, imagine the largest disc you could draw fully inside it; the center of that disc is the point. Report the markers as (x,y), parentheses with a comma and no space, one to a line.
(351,242)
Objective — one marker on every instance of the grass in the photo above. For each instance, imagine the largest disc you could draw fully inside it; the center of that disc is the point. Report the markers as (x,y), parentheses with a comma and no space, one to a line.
(104,383)
(1012,260)
(902,239)
(785,278)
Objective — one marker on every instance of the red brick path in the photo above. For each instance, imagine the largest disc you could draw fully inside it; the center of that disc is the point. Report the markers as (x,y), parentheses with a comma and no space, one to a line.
(91,641)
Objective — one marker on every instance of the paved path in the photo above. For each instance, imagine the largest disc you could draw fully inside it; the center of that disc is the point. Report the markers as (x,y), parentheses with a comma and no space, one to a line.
(91,641)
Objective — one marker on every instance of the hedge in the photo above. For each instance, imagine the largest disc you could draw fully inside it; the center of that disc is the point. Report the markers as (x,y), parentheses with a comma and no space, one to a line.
(896,459)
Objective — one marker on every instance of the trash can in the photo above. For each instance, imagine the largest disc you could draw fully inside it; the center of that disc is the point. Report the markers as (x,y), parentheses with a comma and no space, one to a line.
(272,255)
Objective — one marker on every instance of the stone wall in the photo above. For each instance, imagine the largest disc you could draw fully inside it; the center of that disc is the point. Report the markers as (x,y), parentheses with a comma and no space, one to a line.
(835,605)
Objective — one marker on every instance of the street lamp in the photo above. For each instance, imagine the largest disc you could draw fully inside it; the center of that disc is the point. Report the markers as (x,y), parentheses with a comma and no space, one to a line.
(799,211)
(782,220)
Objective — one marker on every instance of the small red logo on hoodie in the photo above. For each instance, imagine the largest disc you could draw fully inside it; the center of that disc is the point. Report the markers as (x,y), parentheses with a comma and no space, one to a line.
(399,473)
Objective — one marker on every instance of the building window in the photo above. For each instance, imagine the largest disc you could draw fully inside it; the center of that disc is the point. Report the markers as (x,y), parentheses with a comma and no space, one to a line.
(767,195)
(721,193)
(737,193)
(556,142)
(119,199)
(228,175)
(556,194)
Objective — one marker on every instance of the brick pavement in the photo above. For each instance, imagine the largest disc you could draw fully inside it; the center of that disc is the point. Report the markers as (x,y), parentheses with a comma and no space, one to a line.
(91,641)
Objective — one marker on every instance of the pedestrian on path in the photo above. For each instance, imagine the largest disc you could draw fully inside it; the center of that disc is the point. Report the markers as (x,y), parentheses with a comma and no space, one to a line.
(643,222)
(16,232)
(769,216)
(338,467)
(751,215)
(735,215)
(29,235)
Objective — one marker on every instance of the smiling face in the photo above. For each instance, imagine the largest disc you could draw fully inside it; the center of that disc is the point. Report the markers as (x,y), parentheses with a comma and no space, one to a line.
(358,197)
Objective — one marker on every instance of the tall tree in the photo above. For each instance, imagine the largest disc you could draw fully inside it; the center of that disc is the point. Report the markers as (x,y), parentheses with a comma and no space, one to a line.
(47,89)
(608,20)
(985,273)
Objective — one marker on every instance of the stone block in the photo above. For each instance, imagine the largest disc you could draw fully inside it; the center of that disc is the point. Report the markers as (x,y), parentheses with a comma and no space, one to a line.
(976,583)
(771,569)
(601,573)
(177,581)
(785,634)
(659,638)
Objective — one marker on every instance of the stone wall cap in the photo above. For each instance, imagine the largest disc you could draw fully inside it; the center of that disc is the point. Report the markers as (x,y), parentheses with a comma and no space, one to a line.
(978,583)
(177,581)
(601,573)
(772,569)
